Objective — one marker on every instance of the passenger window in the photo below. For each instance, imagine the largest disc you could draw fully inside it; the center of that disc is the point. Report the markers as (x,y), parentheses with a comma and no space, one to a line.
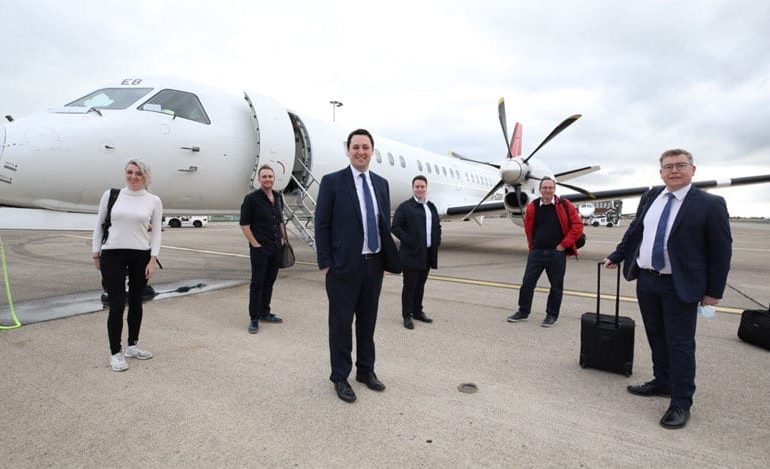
(435,166)
(390,159)
(419,165)
(178,104)
(378,156)
(443,168)
(427,166)
(402,161)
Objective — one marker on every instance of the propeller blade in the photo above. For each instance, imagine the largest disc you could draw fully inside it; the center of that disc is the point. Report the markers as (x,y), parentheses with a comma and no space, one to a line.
(565,123)
(569,186)
(465,158)
(577,189)
(504,123)
(489,194)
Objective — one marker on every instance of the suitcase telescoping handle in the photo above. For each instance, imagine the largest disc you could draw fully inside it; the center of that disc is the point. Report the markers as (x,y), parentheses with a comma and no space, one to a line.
(599,293)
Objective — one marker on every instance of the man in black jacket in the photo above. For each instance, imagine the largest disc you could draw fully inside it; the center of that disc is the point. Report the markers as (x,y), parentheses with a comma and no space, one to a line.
(417,225)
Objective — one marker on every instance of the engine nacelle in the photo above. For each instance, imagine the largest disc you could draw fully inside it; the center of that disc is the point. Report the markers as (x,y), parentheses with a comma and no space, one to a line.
(510,201)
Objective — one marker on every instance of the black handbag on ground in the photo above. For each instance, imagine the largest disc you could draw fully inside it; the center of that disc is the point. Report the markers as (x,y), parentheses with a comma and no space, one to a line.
(755,327)
(287,255)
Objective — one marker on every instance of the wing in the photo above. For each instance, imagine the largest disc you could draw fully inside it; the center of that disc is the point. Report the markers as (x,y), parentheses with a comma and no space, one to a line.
(637,191)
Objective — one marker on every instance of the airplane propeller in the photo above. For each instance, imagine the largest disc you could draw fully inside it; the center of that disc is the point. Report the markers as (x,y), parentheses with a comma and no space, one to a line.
(515,171)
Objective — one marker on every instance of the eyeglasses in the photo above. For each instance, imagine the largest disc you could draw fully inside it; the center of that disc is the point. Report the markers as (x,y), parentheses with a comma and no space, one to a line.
(131,172)
(670,167)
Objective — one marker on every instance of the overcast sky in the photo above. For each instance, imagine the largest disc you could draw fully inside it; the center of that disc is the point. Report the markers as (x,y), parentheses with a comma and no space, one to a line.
(647,76)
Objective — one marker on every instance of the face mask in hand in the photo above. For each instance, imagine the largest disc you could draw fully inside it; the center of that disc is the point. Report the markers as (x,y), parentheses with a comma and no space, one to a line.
(706,311)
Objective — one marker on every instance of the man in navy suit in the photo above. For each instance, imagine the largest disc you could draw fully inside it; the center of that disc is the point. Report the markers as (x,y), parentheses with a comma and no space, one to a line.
(678,248)
(354,246)
(417,225)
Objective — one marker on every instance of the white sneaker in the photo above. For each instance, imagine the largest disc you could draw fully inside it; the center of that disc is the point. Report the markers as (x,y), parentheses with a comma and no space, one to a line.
(133,351)
(118,362)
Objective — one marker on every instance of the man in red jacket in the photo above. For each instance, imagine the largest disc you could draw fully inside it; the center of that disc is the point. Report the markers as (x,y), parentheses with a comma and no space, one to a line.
(552,226)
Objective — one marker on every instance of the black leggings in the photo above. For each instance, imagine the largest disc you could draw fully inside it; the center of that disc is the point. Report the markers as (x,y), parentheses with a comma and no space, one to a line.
(115,264)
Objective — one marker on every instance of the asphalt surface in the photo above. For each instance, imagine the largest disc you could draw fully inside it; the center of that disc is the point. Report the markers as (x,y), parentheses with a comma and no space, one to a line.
(213,395)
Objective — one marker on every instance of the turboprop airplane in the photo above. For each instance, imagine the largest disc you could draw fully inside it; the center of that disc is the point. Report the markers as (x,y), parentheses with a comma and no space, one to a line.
(204,146)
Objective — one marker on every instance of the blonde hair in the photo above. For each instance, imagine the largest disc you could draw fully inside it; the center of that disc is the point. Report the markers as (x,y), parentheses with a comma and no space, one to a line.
(145,170)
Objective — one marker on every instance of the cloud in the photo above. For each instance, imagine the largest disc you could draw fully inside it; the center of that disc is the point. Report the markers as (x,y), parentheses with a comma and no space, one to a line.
(646,76)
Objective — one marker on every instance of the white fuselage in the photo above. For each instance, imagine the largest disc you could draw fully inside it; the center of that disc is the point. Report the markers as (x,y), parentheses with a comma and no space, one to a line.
(66,158)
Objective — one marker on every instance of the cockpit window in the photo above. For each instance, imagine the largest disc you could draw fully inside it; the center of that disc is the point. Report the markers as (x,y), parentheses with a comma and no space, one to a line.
(111,98)
(178,104)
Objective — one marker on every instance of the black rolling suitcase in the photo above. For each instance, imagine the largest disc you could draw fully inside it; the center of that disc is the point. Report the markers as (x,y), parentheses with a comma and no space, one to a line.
(607,342)
(755,327)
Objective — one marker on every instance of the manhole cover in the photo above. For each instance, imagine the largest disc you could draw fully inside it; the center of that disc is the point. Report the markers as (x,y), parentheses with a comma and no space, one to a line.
(468,388)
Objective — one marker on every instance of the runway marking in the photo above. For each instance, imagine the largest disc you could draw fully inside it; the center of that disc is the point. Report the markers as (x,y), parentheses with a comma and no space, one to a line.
(202,251)
(581,294)
(442,278)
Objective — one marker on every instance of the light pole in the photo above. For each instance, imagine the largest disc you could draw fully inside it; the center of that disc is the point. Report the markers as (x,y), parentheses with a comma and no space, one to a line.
(335,104)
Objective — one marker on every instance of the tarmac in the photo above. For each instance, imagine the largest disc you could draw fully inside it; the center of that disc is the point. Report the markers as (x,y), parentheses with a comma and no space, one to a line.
(215,396)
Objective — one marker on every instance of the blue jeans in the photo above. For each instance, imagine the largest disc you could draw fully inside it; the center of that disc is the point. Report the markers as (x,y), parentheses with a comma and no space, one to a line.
(555,264)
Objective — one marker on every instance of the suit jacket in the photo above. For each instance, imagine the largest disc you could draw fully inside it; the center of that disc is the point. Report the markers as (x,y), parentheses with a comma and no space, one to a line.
(409,227)
(699,244)
(339,229)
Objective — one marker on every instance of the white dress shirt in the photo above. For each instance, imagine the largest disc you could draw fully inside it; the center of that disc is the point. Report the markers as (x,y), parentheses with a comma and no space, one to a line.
(428,219)
(651,227)
(362,206)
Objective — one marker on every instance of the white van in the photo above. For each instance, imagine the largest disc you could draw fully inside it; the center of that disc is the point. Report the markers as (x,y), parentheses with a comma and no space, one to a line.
(609,222)
(194,221)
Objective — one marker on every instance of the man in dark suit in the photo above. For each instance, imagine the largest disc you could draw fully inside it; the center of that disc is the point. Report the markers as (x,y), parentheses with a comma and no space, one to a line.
(417,225)
(354,246)
(678,249)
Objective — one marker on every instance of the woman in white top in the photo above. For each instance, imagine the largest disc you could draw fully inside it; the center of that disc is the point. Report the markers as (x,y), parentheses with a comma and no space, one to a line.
(131,248)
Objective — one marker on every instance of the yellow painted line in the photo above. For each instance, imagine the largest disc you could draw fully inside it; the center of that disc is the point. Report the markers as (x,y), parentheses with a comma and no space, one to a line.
(442,278)
(581,294)
(202,251)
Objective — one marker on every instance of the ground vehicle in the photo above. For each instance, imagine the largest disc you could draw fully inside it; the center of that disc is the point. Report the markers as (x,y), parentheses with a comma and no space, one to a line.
(609,222)
(185,220)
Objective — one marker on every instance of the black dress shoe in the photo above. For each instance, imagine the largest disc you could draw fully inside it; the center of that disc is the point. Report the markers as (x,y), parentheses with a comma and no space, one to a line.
(344,391)
(650,388)
(422,317)
(371,381)
(675,417)
(408,323)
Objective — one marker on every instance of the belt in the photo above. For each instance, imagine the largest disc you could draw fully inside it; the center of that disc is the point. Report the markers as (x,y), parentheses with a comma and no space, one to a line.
(656,273)
(370,256)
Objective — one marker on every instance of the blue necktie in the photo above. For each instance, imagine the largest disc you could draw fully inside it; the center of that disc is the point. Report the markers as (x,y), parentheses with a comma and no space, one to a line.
(371,221)
(658,247)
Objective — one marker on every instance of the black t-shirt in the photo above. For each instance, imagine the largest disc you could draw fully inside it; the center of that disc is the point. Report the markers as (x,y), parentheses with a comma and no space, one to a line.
(263,217)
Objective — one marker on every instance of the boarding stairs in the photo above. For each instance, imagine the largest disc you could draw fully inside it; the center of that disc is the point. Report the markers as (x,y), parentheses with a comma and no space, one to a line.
(299,205)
